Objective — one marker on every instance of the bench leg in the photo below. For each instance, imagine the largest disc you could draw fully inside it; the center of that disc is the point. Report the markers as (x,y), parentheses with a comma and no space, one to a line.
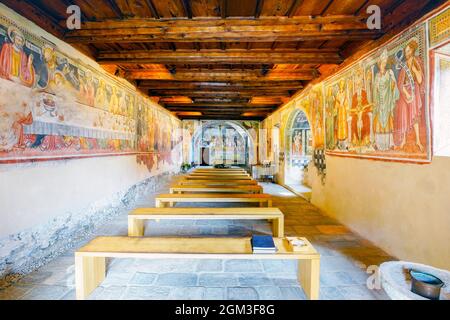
(89,273)
(136,227)
(278,227)
(158,204)
(309,277)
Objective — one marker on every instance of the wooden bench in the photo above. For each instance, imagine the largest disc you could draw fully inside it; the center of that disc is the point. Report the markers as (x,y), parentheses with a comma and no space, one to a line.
(171,199)
(217,171)
(221,182)
(224,189)
(218,174)
(90,260)
(137,217)
(220,170)
(227,177)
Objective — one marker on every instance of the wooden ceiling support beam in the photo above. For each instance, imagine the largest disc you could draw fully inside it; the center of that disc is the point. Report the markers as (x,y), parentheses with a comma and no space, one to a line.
(301,56)
(266,29)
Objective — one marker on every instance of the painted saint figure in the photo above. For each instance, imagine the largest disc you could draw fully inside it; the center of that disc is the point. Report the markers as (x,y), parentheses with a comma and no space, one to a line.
(410,106)
(15,65)
(360,111)
(385,95)
(341,104)
(330,119)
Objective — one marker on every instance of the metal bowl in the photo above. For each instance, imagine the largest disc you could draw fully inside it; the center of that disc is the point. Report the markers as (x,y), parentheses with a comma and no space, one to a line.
(425,284)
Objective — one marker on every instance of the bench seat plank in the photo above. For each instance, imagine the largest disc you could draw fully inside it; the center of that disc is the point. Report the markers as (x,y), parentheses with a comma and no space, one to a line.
(206,188)
(228,177)
(90,267)
(137,217)
(218,182)
(172,198)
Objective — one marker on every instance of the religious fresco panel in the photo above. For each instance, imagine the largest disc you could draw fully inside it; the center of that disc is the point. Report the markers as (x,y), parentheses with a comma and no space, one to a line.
(378,107)
(53,106)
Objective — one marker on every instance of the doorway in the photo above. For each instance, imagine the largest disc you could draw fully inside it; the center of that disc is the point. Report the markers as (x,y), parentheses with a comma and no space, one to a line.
(298,151)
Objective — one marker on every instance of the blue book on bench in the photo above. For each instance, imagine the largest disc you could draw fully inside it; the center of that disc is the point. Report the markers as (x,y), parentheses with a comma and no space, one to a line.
(263,244)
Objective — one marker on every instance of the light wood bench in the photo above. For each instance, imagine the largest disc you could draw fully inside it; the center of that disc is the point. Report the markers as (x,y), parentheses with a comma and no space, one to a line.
(224,189)
(217,171)
(220,170)
(171,199)
(209,177)
(218,174)
(221,182)
(137,217)
(90,260)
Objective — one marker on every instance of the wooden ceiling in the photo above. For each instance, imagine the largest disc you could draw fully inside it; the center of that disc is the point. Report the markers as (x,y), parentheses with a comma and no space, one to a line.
(220,59)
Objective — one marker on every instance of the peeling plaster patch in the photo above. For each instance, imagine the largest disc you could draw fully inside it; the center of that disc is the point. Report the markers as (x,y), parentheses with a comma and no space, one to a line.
(24,252)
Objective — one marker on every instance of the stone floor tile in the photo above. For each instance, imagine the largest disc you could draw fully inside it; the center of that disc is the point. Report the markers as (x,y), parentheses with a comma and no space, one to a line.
(210,266)
(217,280)
(42,292)
(211,293)
(254,280)
(280,266)
(357,292)
(143,279)
(15,292)
(269,293)
(186,293)
(242,266)
(107,293)
(146,293)
(177,279)
(292,293)
(330,293)
(240,293)
(115,278)
(332,279)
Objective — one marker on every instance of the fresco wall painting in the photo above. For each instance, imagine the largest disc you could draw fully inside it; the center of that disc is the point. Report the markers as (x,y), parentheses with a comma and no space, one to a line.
(52,106)
(376,108)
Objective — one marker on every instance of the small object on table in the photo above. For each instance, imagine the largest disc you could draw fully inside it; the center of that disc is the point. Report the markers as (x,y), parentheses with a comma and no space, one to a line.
(297,244)
(263,244)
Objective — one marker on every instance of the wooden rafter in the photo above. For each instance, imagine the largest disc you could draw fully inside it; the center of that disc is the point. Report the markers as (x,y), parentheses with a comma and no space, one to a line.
(218,75)
(226,30)
(301,56)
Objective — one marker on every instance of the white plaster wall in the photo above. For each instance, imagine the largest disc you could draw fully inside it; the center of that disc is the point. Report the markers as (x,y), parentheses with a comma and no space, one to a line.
(402,208)
(31,194)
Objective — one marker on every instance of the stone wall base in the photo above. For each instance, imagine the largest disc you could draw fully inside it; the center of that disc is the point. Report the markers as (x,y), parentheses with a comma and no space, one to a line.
(24,252)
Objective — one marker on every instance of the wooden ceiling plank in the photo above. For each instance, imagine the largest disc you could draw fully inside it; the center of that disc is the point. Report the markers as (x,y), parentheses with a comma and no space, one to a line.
(144,74)
(267,29)
(294,7)
(301,56)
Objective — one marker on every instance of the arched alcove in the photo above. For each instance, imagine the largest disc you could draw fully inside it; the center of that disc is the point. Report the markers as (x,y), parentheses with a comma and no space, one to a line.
(298,148)
(216,142)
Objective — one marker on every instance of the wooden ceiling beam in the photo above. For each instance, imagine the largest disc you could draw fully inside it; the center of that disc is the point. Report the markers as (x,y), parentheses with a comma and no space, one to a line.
(266,29)
(213,75)
(301,56)
(237,94)
(202,117)
(217,85)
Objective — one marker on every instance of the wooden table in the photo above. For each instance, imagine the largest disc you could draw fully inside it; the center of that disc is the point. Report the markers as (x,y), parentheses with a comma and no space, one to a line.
(137,217)
(90,260)
(224,189)
(171,199)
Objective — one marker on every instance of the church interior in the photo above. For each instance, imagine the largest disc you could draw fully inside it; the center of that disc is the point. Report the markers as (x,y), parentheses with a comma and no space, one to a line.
(224,150)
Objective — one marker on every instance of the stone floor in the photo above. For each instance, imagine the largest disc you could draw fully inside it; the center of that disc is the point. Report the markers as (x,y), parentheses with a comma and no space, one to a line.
(344,260)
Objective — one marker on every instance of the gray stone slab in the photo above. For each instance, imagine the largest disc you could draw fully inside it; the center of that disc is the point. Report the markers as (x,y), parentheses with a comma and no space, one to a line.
(240,293)
(177,279)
